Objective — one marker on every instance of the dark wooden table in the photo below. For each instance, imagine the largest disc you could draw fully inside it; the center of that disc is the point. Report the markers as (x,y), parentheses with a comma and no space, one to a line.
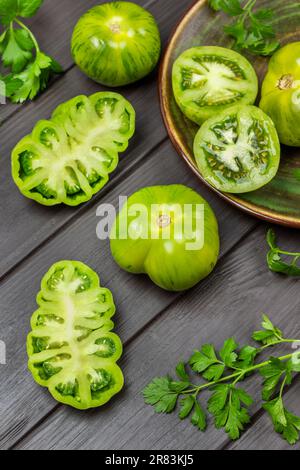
(157,328)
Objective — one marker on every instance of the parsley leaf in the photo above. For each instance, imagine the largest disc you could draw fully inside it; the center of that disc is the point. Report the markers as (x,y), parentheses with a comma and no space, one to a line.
(275,261)
(181,372)
(199,417)
(251,30)
(272,374)
(187,404)
(269,334)
(227,353)
(226,405)
(34,78)
(10,9)
(284,422)
(15,47)
(159,394)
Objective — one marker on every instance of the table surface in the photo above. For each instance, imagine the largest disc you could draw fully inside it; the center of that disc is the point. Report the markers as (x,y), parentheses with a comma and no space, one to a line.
(158,328)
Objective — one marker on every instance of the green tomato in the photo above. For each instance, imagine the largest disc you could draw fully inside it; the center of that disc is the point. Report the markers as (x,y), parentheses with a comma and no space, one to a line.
(238,150)
(281,93)
(71,349)
(208,80)
(169,233)
(68,159)
(116,43)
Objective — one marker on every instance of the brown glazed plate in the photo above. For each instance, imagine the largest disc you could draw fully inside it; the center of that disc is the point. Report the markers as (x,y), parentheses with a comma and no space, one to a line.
(279,201)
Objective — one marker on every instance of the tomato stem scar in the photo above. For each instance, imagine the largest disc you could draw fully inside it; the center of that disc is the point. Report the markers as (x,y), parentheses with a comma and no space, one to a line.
(164,221)
(286,82)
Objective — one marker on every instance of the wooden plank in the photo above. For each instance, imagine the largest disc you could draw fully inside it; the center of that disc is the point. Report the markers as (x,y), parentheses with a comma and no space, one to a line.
(18,236)
(138,301)
(61,17)
(260,437)
(229,303)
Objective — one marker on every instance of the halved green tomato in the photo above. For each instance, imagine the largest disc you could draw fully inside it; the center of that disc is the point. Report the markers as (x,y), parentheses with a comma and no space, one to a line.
(209,79)
(71,349)
(68,159)
(116,43)
(169,233)
(281,93)
(238,151)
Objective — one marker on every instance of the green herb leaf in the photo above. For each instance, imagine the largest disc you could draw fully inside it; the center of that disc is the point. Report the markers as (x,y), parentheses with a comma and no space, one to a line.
(159,394)
(203,359)
(231,7)
(11,9)
(228,354)
(187,404)
(269,334)
(275,255)
(181,372)
(34,78)
(16,46)
(199,417)
(272,374)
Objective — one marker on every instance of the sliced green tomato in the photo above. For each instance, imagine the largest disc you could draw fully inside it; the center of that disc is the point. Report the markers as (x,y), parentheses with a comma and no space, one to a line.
(209,79)
(116,43)
(68,159)
(71,349)
(238,151)
(169,233)
(281,93)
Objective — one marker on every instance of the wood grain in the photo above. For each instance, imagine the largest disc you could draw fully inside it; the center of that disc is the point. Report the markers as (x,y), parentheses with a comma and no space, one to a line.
(229,303)
(18,236)
(138,300)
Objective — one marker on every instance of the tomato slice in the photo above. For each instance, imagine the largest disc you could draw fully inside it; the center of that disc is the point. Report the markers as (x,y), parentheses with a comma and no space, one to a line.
(210,79)
(68,159)
(71,348)
(238,151)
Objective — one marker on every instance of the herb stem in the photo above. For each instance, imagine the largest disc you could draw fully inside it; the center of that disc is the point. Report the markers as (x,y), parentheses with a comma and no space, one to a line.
(236,375)
(22,25)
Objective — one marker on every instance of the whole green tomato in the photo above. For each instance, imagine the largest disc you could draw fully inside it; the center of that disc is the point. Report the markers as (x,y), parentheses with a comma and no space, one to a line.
(116,43)
(169,233)
(281,93)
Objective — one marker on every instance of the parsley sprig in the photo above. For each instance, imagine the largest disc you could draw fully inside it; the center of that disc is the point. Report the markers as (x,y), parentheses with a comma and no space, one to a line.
(29,69)
(276,258)
(252,29)
(222,372)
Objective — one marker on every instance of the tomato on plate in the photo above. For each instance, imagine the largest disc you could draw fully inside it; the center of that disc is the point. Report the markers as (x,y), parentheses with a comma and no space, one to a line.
(169,233)
(68,159)
(116,43)
(71,349)
(208,80)
(281,93)
(238,150)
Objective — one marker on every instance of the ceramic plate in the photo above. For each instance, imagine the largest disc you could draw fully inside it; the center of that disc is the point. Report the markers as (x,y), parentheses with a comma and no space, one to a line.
(279,201)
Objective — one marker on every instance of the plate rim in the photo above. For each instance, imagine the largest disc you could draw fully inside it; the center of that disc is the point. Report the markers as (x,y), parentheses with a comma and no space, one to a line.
(251,209)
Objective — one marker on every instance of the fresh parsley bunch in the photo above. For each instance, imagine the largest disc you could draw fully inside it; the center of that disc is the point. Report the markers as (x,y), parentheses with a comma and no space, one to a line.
(222,371)
(252,30)
(29,68)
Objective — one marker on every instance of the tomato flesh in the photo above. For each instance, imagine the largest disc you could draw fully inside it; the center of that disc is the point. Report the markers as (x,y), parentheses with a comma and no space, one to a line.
(68,159)
(116,43)
(281,93)
(71,348)
(238,151)
(210,79)
(165,257)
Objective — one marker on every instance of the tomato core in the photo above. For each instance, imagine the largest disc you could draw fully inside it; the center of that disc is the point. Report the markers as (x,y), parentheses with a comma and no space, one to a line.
(115,28)
(164,221)
(286,82)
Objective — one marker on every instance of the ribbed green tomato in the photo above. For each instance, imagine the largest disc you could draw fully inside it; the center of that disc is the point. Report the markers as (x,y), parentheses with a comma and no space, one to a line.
(68,159)
(281,93)
(209,79)
(116,43)
(238,150)
(169,233)
(71,348)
